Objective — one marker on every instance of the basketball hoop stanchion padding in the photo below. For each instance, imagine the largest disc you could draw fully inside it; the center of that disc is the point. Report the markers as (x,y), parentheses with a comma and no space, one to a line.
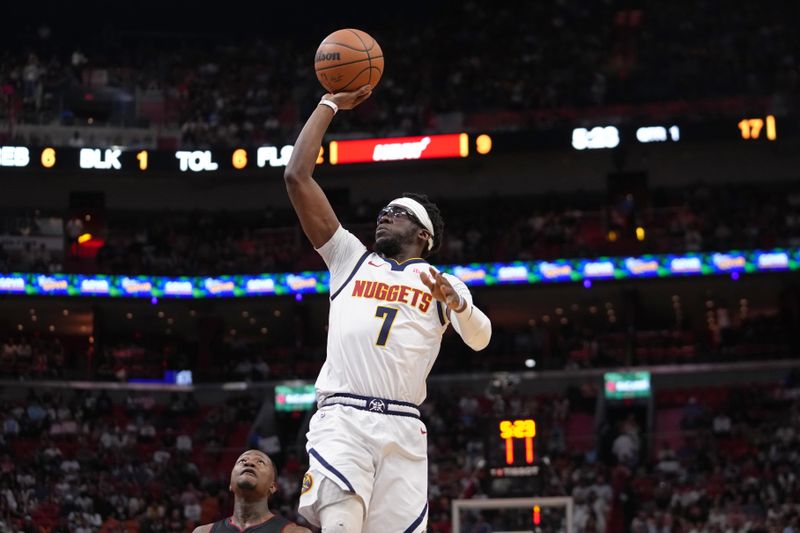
(511,503)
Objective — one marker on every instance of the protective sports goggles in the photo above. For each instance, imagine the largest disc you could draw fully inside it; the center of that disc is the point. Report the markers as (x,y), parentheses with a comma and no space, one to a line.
(395,211)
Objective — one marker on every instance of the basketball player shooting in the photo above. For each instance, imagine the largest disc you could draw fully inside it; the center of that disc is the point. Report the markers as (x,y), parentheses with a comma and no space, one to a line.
(368,466)
(253,480)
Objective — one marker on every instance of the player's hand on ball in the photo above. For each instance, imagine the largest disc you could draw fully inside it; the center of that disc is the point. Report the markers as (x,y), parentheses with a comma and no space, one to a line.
(442,290)
(350,99)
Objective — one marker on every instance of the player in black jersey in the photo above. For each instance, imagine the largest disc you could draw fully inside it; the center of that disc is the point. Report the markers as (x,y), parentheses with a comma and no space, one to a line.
(252,483)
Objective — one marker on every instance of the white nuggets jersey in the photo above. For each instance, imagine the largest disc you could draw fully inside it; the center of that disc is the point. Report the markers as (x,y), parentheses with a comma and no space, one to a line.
(385,328)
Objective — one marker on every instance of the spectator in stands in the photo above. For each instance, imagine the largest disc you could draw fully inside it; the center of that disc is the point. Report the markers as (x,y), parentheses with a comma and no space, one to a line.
(183,443)
(10,425)
(721,424)
(626,445)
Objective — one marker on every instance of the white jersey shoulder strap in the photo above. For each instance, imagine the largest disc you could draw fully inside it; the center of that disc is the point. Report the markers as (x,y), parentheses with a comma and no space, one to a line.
(353,273)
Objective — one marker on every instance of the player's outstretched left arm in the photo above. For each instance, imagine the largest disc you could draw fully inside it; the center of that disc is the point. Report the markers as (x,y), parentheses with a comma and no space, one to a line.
(470,322)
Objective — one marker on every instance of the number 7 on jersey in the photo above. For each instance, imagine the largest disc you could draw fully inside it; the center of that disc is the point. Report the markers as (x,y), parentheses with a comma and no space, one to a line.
(388,314)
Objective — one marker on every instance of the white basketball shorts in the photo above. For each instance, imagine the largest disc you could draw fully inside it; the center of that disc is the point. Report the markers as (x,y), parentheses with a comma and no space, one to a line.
(378,456)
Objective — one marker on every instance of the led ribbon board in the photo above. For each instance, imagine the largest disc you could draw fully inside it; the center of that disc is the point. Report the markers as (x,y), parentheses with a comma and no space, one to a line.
(733,263)
(399,149)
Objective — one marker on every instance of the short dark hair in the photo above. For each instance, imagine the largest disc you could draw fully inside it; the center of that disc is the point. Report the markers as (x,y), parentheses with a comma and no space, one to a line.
(274,468)
(436,220)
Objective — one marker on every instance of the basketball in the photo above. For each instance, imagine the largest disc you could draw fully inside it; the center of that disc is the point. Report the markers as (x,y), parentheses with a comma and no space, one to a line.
(347,60)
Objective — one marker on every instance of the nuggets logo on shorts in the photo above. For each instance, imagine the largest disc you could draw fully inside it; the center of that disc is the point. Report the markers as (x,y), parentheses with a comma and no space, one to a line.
(377,405)
(308,481)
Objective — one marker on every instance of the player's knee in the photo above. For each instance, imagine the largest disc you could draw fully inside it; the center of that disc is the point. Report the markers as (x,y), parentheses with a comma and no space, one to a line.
(344,516)
(340,526)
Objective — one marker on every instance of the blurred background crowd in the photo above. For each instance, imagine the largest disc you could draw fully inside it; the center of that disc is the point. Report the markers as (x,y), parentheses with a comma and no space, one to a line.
(700,218)
(92,440)
(517,65)
(722,459)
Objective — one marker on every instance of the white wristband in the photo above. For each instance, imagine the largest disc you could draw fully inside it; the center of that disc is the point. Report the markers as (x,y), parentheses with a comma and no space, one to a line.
(330,104)
(461,303)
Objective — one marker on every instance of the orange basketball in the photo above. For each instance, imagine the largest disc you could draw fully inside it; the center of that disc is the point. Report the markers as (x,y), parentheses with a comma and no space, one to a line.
(347,60)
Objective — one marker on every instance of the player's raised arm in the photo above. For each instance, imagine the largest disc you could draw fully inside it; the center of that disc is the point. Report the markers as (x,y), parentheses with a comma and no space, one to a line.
(312,206)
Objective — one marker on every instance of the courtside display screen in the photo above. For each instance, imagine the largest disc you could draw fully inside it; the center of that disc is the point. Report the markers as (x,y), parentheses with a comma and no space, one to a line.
(625,385)
(294,397)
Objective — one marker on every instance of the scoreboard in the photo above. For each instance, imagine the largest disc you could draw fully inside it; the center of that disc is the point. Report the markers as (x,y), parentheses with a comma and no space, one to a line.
(511,448)
(765,128)
(118,159)
(518,434)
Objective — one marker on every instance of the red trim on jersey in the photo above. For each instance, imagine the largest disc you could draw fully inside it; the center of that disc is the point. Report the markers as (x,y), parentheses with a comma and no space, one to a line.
(234,524)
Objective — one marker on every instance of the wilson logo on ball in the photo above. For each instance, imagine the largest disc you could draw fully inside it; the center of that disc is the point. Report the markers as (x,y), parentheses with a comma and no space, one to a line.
(348,59)
(330,56)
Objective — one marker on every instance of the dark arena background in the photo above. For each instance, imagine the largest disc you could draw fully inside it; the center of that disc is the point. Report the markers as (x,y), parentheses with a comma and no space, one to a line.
(620,187)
